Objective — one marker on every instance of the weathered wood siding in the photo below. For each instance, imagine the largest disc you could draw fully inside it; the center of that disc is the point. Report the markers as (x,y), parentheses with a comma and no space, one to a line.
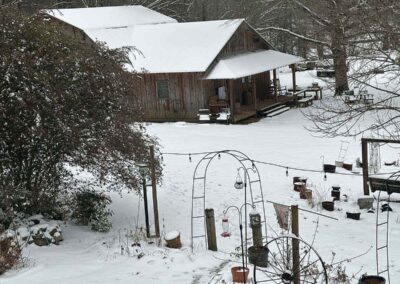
(187,94)
(244,39)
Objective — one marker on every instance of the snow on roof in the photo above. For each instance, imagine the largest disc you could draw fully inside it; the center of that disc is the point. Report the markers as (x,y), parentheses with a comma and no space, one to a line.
(109,17)
(180,47)
(251,63)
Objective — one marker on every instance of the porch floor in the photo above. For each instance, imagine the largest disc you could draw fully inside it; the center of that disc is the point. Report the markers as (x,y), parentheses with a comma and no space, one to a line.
(247,112)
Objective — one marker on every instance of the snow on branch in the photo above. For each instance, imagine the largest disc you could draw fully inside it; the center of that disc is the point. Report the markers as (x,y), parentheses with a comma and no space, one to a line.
(315,16)
(294,34)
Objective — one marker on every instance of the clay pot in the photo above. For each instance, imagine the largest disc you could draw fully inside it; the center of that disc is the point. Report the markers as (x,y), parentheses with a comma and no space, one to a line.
(306,194)
(372,279)
(299,186)
(347,166)
(239,274)
(173,239)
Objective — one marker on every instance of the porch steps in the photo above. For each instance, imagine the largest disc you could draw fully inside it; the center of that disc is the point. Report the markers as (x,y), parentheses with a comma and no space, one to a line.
(274,110)
(270,107)
(278,111)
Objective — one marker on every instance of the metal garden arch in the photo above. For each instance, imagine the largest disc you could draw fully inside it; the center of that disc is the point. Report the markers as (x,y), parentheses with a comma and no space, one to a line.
(252,183)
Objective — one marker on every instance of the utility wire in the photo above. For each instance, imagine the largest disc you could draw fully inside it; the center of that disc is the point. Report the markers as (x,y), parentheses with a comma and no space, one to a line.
(271,164)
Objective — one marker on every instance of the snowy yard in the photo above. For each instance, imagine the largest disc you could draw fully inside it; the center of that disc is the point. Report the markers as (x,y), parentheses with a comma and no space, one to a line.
(88,257)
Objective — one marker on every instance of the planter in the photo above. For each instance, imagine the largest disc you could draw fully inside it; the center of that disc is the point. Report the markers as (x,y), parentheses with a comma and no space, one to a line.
(239,274)
(365,202)
(328,205)
(352,215)
(306,193)
(173,239)
(258,255)
(335,187)
(335,193)
(347,166)
(303,179)
(296,179)
(328,168)
(372,279)
(339,164)
(299,186)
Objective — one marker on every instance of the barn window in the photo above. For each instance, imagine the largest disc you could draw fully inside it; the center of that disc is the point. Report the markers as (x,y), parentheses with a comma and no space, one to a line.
(162,89)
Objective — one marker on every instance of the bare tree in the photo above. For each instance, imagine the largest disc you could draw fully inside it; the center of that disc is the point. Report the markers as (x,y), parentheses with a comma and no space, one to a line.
(374,66)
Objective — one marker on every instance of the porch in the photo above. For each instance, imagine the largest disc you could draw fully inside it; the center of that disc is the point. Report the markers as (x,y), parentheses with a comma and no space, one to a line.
(247,84)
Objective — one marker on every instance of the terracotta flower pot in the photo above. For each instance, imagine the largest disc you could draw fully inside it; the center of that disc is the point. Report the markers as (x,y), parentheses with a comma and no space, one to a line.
(239,274)
(299,186)
(372,279)
(173,239)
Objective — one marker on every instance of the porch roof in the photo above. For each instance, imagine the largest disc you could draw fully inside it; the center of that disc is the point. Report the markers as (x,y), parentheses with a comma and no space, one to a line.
(250,63)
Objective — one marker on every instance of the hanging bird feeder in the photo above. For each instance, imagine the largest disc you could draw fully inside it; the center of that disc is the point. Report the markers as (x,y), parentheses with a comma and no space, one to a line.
(225,227)
(239,182)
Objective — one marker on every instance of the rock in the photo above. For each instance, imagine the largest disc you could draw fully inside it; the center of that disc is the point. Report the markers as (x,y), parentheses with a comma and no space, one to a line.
(40,241)
(58,237)
(365,202)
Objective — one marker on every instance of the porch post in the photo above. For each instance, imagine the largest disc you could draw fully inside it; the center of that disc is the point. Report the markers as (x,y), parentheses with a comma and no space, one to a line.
(232,100)
(275,85)
(293,67)
(254,90)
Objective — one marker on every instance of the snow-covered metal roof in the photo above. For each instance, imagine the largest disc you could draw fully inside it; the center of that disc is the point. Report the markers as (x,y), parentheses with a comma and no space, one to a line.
(180,47)
(109,17)
(160,44)
(250,63)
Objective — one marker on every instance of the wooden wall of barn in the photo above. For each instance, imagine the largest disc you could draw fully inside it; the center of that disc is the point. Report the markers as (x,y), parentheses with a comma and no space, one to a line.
(244,39)
(187,94)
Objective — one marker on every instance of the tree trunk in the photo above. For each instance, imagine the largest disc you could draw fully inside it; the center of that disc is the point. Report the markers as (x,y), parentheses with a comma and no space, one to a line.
(339,53)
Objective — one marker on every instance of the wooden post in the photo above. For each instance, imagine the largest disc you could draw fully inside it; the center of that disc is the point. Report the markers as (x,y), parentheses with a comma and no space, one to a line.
(293,67)
(275,85)
(232,100)
(254,90)
(364,155)
(211,234)
(295,244)
(255,223)
(154,191)
(146,207)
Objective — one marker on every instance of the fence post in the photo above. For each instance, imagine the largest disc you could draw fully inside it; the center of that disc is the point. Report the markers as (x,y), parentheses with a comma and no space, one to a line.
(211,234)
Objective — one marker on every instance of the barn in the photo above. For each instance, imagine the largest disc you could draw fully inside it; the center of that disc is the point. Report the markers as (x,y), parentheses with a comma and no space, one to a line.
(222,67)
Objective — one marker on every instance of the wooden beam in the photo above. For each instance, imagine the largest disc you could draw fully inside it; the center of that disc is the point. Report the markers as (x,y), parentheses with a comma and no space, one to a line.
(154,191)
(275,85)
(364,155)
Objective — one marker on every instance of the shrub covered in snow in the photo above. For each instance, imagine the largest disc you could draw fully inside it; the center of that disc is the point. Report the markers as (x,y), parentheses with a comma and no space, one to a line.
(91,209)
(10,253)
(64,105)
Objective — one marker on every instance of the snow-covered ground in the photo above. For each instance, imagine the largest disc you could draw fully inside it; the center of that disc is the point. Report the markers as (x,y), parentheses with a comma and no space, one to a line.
(88,257)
